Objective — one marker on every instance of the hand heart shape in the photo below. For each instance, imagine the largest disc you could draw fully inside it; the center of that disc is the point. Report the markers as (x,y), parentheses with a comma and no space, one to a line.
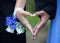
(34,31)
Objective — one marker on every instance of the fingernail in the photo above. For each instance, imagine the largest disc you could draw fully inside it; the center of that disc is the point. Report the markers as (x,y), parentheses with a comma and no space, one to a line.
(32,15)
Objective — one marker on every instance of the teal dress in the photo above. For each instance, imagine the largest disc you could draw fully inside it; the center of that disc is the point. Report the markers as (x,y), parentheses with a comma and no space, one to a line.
(54,31)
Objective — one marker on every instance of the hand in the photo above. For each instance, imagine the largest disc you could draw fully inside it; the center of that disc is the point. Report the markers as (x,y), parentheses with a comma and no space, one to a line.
(40,24)
(24,13)
(21,16)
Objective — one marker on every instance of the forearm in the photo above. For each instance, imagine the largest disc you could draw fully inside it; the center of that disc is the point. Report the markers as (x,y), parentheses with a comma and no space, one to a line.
(42,22)
(24,21)
(21,14)
(20,3)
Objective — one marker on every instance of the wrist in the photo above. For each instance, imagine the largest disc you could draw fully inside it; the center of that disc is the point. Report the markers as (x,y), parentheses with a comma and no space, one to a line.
(15,11)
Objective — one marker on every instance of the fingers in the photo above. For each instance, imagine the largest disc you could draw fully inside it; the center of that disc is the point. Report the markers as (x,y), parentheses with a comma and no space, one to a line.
(39,13)
(39,26)
(24,13)
(21,16)
(31,32)
(42,14)
(34,37)
(36,26)
(35,32)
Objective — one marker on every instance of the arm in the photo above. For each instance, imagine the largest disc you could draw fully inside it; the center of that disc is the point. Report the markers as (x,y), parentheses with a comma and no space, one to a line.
(21,14)
(50,8)
(47,12)
(21,4)
(41,23)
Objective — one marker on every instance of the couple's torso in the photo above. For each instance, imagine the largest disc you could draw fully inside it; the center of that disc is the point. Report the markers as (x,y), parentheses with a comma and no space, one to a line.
(7,7)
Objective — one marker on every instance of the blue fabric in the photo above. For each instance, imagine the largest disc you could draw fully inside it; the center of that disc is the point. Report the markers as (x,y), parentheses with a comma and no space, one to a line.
(54,31)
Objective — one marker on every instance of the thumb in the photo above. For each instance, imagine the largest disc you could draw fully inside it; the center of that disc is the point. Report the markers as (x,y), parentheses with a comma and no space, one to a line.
(40,13)
(36,13)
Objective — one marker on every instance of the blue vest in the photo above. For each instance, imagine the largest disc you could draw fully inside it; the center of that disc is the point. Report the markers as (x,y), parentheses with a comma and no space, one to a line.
(54,31)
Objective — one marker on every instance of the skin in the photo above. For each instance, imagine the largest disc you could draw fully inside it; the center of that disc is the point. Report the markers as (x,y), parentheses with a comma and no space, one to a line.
(21,15)
(40,24)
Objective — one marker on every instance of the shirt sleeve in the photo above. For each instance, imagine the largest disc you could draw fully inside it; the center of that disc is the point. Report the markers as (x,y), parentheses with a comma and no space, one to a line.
(50,8)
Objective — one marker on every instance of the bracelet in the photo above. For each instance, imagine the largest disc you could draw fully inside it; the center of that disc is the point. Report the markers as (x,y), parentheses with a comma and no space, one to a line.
(17,9)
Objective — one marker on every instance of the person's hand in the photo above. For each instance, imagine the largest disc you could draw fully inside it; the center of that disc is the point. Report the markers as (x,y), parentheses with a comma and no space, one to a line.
(24,13)
(21,16)
(41,23)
